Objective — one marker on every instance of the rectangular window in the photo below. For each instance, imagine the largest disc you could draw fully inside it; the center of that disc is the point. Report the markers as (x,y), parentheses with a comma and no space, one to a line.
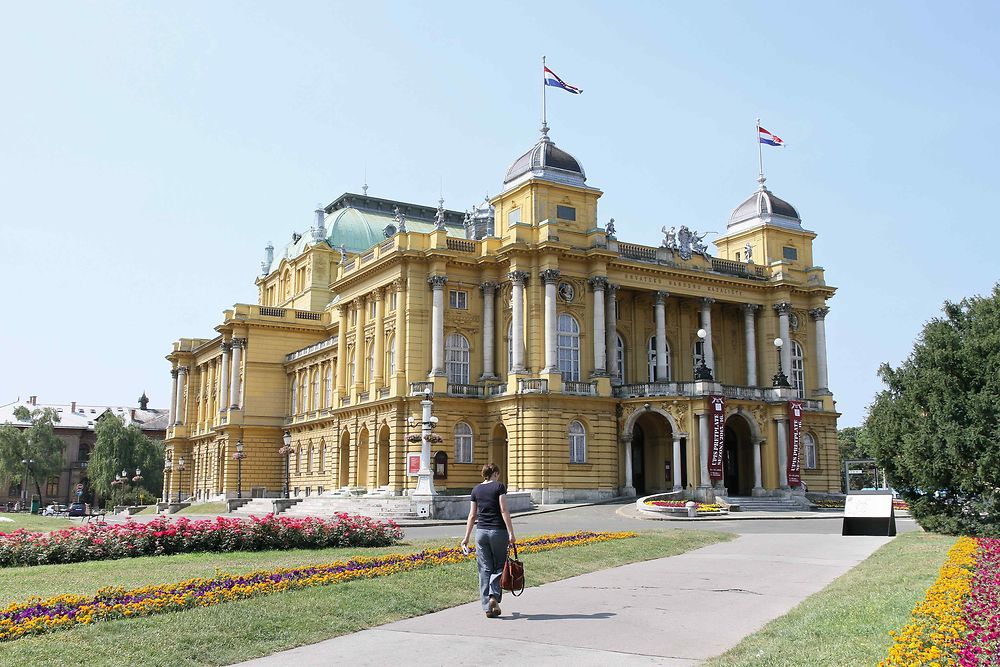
(514,217)
(737,256)
(392,301)
(565,212)
(618,312)
(52,487)
(789,252)
(458,299)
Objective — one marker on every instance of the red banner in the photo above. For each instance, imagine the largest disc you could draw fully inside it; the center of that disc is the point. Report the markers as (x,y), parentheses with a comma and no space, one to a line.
(795,443)
(716,435)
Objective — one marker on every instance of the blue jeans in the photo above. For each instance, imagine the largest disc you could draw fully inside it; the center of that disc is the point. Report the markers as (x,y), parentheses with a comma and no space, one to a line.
(491,553)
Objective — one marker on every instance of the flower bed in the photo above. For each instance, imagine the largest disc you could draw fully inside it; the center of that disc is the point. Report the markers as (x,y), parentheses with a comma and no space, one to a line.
(37,616)
(707,508)
(958,621)
(162,536)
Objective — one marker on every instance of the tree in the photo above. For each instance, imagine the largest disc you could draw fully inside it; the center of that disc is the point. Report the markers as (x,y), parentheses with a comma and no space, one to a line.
(936,427)
(854,446)
(33,439)
(119,447)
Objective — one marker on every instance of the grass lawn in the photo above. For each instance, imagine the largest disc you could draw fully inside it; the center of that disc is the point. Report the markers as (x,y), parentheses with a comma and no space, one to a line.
(848,622)
(241,630)
(34,522)
(204,508)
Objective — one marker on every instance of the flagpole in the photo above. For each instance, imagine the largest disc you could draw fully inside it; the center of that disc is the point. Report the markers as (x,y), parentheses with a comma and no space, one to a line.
(760,157)
(544,123)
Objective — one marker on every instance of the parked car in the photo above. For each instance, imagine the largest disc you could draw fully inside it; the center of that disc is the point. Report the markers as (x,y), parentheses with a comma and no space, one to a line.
(77,509)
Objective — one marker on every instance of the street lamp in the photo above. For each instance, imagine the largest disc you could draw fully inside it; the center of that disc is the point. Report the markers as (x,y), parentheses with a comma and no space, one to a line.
(136,480)
(286,451)
(27,472)
(425,477)
(703,372)
(239,456)
(780,380)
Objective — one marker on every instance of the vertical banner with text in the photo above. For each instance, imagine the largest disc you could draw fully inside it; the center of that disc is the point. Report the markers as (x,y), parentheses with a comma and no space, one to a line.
(716,435)
(794,443)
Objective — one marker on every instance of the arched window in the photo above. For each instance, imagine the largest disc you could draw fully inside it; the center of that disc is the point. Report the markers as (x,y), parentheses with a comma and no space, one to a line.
(328,389)
(463,443)
(798,371)
(568,347)
(315,391)
(295,395)
(699,354)
(456,356)
(652,360)
(352,369)
(298,460)
(390,349)
(322,456)
(809,448)
(620,357)
(370,362)
(577,443)
(309,459)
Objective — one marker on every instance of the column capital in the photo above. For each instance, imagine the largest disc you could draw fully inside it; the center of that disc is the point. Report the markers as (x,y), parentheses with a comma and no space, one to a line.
(174,372)
(239,343)
(437,282)
(707,301)
(549,276)
(661,297)
(750,308)
(488,287)
(782,308)
(377,295)
(612,289)
(819,313)
(518,277)
(598,283)
(182,370)
(399,284)
(225,346)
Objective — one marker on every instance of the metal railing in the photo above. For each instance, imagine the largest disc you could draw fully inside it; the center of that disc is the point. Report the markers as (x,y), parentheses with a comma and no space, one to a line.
(307,315)
(533,386)
(581,388)
(272,312)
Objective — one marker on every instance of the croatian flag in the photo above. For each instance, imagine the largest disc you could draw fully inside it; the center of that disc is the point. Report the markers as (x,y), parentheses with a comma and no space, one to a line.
(552,80)
(768,138)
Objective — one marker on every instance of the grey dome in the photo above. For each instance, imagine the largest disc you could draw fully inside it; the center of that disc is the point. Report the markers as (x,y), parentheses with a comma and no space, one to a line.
(760,204)
(546,160)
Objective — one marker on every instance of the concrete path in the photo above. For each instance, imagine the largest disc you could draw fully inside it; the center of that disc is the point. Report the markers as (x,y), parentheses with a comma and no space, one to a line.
(672,611)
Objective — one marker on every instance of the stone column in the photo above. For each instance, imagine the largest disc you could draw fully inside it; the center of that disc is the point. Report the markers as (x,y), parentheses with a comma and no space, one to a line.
(677,462)
(611,332)
(661,336)
(224,378)
(705,481)
(783,309)
(706,324)
(234,373)
(489,290)
(550,277)
(750,341)
(360,378)
(627,442)
(757,485)
(782,445)
(342,360)
(598,284)
(437,284)
(823,382)
(181,385)
(379,343)
(517,279)
(400,335)
(173,397)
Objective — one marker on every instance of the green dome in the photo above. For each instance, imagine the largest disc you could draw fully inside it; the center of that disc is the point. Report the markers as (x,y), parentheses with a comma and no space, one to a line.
(356,230)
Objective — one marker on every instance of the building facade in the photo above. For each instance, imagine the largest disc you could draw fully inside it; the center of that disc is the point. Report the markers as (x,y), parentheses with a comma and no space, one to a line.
(570,358)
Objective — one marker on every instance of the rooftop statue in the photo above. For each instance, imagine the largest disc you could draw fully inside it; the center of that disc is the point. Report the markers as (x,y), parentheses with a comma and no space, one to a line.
(669,238)
(748,249)
(400,220)
(609,229)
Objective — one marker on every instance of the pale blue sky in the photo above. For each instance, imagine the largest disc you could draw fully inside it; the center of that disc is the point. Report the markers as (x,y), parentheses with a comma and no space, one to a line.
(149,151)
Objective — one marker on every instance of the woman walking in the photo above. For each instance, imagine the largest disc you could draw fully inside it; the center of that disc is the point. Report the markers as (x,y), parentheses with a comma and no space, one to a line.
(494,531)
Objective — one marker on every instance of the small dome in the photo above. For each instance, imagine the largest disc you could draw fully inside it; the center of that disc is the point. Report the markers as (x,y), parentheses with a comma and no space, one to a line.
(546,160)
(763,203)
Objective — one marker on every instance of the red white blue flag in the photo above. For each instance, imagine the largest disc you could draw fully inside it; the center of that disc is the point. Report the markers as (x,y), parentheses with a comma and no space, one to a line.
(552,80)
(768,138)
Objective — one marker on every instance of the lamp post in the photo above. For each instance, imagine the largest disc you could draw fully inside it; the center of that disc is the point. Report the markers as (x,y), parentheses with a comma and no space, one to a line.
(180,478)
(286,451)
(425,477)
(27,473)
(239,456)
(703,372)
(136,480)
(780,380)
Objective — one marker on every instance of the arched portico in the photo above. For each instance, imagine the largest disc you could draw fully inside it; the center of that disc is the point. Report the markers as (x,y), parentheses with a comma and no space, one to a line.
(498,451)
(655,452)
(742,456)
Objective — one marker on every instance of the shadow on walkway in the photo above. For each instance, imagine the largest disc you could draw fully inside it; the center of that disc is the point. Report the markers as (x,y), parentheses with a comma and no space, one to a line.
(517,616)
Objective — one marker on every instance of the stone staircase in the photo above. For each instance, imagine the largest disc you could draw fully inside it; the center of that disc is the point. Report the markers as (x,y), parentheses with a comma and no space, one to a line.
(256,507)
(379,507)
(766,504)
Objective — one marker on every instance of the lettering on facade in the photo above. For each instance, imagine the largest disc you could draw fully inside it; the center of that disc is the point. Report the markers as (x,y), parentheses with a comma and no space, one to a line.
(661,282)
(717,432)
(794,443)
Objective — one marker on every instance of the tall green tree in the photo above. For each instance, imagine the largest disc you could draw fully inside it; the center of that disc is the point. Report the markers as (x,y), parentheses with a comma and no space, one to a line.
(32,439)
(118,447)
(936,426)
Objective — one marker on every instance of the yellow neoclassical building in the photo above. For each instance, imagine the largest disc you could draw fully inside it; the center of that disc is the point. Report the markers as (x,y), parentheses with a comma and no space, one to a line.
(547,345)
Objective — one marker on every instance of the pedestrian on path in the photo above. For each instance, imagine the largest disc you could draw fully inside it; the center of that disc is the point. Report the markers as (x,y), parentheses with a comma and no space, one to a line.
(494,531)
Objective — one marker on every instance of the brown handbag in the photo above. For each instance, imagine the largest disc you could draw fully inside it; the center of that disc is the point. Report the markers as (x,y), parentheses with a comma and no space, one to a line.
(512,578)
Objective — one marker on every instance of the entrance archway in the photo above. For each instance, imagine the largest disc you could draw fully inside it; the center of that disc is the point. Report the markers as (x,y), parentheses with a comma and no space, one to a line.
(344,460)
(363,458)
(383,456)
(652,453)
(737,461)
(498,451)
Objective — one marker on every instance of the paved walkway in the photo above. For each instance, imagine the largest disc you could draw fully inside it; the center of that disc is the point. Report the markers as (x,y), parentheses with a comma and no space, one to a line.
(672,611)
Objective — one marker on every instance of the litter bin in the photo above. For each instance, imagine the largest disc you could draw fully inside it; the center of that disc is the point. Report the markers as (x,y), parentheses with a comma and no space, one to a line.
(36,503)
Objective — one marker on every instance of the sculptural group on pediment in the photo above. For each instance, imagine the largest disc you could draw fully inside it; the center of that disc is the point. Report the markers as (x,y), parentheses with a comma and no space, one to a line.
(685,242)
